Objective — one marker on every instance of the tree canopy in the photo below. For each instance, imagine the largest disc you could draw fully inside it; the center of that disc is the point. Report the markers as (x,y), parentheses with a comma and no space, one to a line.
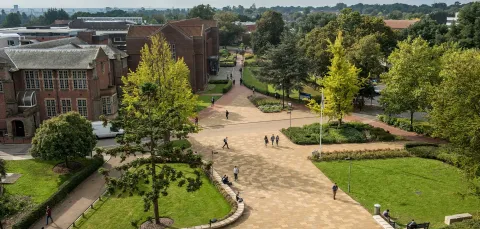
(12,20)
(269,30)
(53,14)
(229,30)
(202,11)
(64,137)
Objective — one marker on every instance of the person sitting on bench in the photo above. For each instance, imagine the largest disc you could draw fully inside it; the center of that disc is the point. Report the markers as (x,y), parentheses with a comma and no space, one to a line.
(412,224)
(239,199)
(386,214)
(225,180)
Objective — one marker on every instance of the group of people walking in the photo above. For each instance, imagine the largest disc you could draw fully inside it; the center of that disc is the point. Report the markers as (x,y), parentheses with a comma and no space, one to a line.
(272,138)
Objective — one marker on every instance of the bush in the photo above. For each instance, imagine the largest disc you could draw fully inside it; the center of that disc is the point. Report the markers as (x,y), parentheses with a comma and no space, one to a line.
(419,127)
(466,224)
(224,53)
(68,186)
(416,144)
(430,152)
(359,155)
(218,81)
(351,132)
(227,87)
(227,64)
(270,108)
(248,56)
(266,105)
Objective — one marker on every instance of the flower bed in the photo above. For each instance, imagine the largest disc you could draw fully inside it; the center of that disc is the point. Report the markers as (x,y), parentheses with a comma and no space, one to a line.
(266,105)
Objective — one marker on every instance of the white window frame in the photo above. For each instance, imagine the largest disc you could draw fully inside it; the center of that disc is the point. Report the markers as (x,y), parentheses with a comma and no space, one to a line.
(66,105)
(118,39)
(107,105)
(80,80)
(63,78)
(83,110)
(31,79)
(48,79)
(50,107)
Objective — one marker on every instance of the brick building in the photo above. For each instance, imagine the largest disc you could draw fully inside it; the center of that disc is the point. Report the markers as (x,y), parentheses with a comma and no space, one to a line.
(43,80)
(195,40)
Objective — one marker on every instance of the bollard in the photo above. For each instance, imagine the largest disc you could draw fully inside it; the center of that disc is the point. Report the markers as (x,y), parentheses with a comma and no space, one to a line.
(376,210)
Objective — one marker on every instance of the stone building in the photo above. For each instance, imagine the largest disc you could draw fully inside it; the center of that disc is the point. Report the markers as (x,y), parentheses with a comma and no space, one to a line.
(195,40)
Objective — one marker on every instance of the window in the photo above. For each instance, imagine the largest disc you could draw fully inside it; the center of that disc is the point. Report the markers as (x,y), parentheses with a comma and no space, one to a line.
(79,79)
(118,39)
(1,86)
(11,42)
(31,80)
(66,105)
(174,51)
(51,107)
(47,80)
(63,79)
(82,107)
(107,105)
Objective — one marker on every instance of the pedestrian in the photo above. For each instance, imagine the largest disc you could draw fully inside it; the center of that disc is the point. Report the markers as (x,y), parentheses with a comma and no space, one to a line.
(225,143)
(386,214)
(272,138)
(49,214)
(239,199)
(334,189)
(226,113)
(253,90)
(213,101)
(277,138)
(266,140)
(231,76)
(235,172)
(233,82)
(196,121)
(241,81)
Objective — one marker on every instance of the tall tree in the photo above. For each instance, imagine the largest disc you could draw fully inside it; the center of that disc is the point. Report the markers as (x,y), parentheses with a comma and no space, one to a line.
(53,14)
(285,72)
(306,23)
(340,85)
(158,101)
(269,30)
(67,136)
(229,30)
(12,20)
(202,11)
(411,79)
(469,26)
(428,29)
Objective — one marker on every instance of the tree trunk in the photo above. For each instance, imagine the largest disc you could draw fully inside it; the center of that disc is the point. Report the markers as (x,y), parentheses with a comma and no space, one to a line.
(154,173)
(411,120)
(66,162)
(166,137)
(339,122)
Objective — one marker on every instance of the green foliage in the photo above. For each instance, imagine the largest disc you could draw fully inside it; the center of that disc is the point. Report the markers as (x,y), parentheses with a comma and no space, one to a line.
(412,77)
(269,29)
(64,137)
(202,11)
(351,132)
(182,144)
(53,14)
(270,108)
(419,127)
(340,85)
(11,205)
(224,53)
(230,31)
(248,56)
(204,101)
(428,29)
(466,224)
(465,29)
(455,113)
(218,81)
(266,105)
(227,63)
(227,87)
(3,168)
(12,20)
(313,20)
(359,155)
(39,211)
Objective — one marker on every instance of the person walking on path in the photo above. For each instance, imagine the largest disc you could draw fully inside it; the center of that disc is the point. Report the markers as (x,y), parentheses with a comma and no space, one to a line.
(49,214)
(334,189)
(213,101)
(226,113)
(225,143)
(277,138)
(266,140)
(233,82)
(241,81)
(235,172)
(196,121)
(272,138)
(253,90)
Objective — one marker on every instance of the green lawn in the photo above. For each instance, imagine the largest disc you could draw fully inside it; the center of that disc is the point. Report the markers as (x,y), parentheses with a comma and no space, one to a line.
(186,209)
(412,188)
(204,101)
(249,78)
(38,179)
(215,89)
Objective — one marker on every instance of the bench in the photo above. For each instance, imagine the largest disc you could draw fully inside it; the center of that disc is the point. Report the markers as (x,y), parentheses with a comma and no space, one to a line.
(456,218)
(389,221)
(420,225)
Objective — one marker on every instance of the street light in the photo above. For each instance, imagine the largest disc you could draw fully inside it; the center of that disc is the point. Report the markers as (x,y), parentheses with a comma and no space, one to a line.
(290,111)
(212,159)
(349,172)
(322,106)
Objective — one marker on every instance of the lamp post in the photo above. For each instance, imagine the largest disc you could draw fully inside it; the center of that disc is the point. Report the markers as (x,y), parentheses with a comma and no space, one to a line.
(212,159)
(349,172)
(322,105)
(290,111)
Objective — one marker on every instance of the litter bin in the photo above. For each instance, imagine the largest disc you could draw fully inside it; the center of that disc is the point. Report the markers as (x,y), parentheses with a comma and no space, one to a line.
(376,210)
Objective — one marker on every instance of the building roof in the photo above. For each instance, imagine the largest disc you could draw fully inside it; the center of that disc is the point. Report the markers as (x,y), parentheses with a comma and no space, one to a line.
(399,24)
(52,58)
(191,30)
(195,22)
(143,30)
(21,30)
(251,28)
(61,22)
(100,25)
(52,43)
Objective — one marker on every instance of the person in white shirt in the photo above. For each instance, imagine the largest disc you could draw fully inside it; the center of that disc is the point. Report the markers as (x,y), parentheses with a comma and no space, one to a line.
(235,172)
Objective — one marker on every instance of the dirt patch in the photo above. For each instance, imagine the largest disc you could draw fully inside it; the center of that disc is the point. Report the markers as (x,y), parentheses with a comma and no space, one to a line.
(164,223)
(72,167)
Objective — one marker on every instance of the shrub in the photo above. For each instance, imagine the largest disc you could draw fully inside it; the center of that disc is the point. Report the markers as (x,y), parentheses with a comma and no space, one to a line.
(227,64)
(227,87)
(266,105)
(218,81)
(359,155)
(224,53)
(419,127)
(270,108)
(416,144)
(430,152)
(248,56)
(466,224)
(68,186)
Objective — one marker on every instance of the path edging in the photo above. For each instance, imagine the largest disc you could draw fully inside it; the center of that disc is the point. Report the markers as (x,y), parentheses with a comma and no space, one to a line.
(231,197)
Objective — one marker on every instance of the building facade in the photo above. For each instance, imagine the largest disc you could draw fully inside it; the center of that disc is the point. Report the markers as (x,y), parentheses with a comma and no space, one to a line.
(40,81)
(194,40)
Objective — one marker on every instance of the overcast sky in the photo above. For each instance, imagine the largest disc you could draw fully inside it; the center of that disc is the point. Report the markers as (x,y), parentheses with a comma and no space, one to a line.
(191,3)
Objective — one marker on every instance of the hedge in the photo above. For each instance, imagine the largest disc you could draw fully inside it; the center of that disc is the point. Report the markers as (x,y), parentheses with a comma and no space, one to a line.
(218,81)
(351,132)
(227,64)
(359,155)
(419,127)
(265,104)
(227,87)
(68,186)
(466,224)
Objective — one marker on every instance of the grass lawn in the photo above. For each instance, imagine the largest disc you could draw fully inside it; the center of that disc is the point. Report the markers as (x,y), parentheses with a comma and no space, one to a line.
(215,89)
(204,101)
(412,188)
(38,179)
(249,78)
(186,209)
